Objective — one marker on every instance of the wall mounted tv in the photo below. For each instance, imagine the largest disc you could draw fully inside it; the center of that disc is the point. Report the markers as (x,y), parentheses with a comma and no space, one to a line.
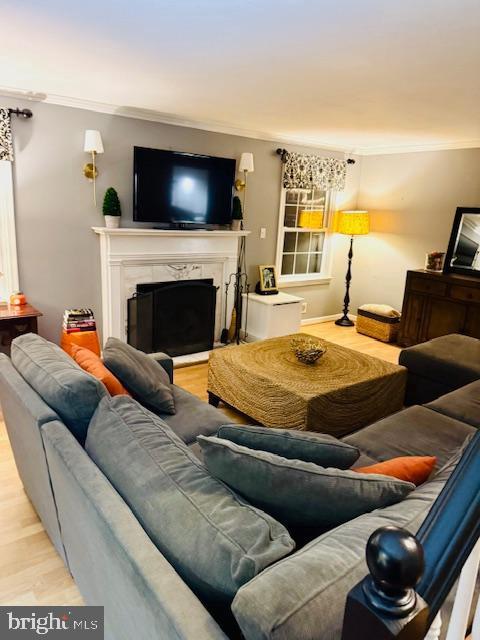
(174,189)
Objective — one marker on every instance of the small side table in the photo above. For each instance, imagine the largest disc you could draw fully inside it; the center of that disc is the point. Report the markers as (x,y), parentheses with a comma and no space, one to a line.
(15,321)
(271,316)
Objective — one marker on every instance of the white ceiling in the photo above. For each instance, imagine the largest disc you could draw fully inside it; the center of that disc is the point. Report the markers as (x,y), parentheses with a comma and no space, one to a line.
(365,75)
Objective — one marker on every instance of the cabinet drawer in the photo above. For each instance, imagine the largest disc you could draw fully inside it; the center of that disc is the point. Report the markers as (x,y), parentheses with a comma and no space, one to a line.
(468,294)
(425,285)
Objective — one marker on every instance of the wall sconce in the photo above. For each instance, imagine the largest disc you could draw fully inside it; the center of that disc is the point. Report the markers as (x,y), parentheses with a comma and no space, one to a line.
(245,166)
(93,144)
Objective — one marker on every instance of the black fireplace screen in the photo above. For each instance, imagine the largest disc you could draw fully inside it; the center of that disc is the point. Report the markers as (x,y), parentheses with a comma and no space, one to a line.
(173,317)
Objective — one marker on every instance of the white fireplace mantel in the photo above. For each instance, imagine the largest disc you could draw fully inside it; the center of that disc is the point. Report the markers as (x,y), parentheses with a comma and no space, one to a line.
(131,256)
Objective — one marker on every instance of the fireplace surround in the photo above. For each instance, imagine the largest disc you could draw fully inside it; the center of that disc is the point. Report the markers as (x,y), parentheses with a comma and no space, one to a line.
(136,256)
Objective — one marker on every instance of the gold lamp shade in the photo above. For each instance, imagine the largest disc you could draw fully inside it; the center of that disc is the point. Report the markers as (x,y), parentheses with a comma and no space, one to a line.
(353,223)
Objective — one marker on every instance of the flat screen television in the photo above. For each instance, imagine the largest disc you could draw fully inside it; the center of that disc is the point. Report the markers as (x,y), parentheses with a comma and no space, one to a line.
(175,189)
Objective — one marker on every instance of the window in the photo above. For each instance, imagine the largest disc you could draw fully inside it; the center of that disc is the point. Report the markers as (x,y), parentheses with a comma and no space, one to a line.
(303,243)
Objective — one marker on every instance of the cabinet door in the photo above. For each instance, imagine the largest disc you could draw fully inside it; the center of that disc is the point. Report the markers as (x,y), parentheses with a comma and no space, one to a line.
(444,317)
(472,324)
(410,328)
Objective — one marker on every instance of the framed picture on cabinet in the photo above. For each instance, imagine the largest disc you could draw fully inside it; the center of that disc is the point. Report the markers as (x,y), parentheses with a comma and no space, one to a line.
(463,254)
(268,278)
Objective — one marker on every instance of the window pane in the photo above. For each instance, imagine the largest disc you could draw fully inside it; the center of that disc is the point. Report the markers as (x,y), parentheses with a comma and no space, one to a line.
(317,242)
(291,197)
(287,265)
(301,263)
(289,242)
(318,199)
(315,265)
(303,242)
(290,216)
(304,197)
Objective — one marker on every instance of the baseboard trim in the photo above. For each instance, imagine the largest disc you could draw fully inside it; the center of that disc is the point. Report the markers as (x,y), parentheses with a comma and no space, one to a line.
(319,319)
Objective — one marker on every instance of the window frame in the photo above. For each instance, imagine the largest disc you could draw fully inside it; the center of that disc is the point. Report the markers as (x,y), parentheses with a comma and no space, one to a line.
(8,244)
(325,275)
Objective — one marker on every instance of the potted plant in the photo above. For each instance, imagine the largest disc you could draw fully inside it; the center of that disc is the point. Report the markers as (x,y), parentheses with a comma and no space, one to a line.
(237,214)
(111,209)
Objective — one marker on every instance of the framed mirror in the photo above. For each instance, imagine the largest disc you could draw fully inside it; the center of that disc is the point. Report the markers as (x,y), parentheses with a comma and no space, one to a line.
(463,255)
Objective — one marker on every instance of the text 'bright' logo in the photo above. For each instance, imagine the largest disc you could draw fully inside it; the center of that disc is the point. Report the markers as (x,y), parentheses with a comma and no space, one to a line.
(40,625)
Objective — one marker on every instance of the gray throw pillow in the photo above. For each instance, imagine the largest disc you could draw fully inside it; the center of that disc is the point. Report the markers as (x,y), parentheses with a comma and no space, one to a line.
(213,538)
(319,448)
(299,494)
(72,392)
(146,380)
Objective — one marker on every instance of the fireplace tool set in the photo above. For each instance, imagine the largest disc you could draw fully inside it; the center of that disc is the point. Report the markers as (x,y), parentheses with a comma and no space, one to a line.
(239,281)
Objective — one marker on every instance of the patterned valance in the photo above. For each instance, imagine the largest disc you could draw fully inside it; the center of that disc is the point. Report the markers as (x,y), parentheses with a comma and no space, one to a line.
(302,171)
(6,140)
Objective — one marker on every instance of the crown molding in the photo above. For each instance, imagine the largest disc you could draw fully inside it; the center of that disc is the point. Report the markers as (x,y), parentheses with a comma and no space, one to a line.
(416,148)
(166,118)
(230,129)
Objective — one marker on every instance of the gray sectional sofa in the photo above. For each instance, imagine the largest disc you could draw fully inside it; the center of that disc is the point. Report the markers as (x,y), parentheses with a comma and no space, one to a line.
(116,564)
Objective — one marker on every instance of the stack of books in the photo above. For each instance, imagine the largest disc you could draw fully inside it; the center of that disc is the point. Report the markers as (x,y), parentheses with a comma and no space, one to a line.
(77,320)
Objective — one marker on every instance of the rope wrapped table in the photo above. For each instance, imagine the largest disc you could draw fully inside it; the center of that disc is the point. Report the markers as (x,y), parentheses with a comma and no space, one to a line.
(342,392)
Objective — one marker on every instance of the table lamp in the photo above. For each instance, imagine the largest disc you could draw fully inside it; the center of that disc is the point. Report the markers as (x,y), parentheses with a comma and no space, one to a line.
(350,223)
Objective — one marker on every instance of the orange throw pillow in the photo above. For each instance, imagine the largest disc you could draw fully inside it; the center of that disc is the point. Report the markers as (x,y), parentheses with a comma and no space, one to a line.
(414,469)
(92,364)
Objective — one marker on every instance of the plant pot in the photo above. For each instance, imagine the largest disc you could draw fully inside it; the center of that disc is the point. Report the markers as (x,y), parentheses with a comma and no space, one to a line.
(236,225)
(112,222)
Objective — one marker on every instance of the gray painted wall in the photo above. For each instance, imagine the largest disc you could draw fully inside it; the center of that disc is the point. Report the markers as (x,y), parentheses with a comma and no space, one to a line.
(58,252)
(412,199)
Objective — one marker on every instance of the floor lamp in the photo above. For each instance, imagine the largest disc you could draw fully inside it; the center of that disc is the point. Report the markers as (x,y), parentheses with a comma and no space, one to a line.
(351,223)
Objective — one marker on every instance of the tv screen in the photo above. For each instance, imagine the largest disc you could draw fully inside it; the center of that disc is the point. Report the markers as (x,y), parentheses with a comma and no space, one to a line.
(174,188)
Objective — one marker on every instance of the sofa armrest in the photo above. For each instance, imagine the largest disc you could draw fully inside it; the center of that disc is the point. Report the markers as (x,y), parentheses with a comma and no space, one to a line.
(165,361)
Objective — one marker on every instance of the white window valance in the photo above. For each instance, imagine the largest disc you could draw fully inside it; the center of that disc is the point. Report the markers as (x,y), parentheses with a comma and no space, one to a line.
(303,171)
(6,139)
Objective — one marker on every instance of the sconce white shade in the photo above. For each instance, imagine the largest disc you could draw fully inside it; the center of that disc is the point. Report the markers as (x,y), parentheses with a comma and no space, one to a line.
(93,141)
(246,163)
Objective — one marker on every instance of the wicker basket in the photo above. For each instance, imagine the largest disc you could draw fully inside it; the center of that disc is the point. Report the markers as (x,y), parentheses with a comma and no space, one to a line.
(379,327)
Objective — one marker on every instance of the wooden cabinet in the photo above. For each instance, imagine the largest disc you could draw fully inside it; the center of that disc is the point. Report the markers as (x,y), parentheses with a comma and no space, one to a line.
(436,304)
(14,322)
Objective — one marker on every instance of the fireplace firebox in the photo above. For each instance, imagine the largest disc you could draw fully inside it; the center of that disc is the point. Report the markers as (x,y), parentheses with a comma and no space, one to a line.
(176,317)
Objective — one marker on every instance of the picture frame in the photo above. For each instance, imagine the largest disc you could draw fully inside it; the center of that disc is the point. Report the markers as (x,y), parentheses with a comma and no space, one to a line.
(268,278)
(463,253)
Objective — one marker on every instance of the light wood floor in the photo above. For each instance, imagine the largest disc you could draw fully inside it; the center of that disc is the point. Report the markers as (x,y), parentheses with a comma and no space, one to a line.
(31,572)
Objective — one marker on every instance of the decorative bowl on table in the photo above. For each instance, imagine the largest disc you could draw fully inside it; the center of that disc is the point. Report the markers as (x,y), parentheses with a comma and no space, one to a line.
(308,350)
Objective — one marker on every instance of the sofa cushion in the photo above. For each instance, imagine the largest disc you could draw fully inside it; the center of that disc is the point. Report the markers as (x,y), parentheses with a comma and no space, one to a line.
(70,391)
(304,595)
(416,469)
(318,448)
(146,380)
(91,363)
(193,416)
(300,494)
(416,431)
(462,404)
(453,359)
(212,537)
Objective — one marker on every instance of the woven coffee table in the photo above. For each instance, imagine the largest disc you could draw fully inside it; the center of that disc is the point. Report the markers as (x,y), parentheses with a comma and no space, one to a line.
(342,392)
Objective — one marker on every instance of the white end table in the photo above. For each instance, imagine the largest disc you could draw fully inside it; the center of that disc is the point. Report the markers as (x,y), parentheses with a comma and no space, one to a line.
(271,316)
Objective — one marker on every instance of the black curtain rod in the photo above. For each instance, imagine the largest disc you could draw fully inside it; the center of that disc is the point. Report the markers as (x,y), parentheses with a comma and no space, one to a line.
(283,154)
(21,113)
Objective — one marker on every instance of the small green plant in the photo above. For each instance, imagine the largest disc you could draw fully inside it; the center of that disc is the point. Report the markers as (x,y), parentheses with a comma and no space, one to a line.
(237,213)
(111,203)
